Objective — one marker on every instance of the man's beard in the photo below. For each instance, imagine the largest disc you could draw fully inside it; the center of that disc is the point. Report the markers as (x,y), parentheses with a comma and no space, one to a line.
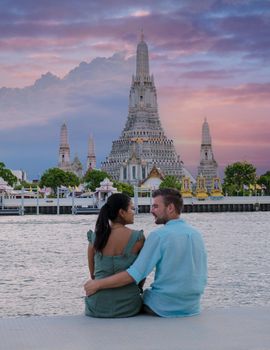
(161,221)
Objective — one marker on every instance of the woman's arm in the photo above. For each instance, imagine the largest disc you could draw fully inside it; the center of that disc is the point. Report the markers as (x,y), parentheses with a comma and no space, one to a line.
(91,262)
(138,246)
(136,250)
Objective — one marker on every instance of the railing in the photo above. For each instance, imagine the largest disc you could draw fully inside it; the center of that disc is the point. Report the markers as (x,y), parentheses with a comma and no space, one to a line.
(142,198)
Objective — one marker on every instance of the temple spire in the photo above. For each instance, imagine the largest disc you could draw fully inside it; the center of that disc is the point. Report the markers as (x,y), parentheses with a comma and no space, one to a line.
(208,167)
(91,156)
(63,135)
(64,150)
(142,35)
(142,59)
(206,137)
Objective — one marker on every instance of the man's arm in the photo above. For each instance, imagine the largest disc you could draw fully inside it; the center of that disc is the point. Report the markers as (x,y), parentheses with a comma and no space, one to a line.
(143,265)
(118,280)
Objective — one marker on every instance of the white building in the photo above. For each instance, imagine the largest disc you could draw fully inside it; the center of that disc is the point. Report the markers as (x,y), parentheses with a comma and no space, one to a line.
(20,174)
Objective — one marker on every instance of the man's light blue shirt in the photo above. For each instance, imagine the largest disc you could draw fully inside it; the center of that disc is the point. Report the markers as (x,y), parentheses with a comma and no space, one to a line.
(178,253)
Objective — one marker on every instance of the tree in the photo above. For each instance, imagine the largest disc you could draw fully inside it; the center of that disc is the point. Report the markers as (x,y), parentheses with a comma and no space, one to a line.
(265,180)
(25,184)
(94,177)
(124,188)
(170,181)
(238,176)
(71,179)
(7,175)
(55,177)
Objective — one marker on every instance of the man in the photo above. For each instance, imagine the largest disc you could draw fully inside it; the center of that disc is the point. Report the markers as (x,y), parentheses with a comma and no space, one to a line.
(177,252)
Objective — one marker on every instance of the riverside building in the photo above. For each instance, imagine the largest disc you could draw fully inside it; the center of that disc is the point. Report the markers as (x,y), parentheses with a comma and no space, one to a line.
(143,143)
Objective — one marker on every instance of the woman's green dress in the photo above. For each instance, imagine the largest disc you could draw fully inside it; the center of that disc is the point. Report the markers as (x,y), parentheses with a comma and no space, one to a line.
(116,302)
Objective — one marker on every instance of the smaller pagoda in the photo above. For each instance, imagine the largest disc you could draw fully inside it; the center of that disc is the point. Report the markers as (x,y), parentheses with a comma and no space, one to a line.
(103,192)
(154,179)
(201,190)
(186,190)
(216,190)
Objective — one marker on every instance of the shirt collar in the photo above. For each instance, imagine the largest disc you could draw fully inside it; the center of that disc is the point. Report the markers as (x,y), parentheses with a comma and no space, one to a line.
(174,221)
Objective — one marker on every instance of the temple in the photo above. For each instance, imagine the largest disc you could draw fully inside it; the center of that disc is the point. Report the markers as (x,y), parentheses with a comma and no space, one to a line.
(208,167)
(143,143)
(91,156)
(64,162)
(64,150)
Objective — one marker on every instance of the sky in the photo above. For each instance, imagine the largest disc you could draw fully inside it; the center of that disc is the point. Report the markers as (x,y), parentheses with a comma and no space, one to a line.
(72,61)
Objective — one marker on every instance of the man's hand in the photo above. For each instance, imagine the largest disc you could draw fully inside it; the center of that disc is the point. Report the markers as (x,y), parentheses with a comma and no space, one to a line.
(91,287)
(118,280)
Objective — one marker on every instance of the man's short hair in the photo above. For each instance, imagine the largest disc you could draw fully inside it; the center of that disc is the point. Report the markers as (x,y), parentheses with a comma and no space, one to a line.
(170,195)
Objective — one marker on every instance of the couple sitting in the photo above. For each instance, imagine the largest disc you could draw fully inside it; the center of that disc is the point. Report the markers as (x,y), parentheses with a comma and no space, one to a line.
(119,261)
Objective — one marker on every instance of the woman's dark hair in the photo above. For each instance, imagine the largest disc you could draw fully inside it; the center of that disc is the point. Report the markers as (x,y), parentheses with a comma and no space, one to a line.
(109,211)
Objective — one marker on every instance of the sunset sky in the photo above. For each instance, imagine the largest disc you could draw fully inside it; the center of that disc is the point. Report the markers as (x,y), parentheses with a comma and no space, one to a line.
(209,58)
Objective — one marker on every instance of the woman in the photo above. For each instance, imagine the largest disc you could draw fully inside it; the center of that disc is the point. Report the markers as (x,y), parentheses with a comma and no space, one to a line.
(112,248)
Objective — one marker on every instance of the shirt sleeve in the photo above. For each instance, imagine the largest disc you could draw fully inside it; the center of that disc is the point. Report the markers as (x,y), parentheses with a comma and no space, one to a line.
(147,259)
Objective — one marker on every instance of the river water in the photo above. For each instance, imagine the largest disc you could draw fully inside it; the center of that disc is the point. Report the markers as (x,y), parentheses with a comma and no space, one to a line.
(43,262)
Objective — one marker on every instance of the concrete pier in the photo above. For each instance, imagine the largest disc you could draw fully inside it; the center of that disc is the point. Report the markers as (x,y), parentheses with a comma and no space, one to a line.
(142,204)
(239,328)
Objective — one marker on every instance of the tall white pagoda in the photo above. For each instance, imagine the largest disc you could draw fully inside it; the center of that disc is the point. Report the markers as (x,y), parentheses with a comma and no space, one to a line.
(64,162)
(64,150)
(208,167)
(91,156)
(143,143)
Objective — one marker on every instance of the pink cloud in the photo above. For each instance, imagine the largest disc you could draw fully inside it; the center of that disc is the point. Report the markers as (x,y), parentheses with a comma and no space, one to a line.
(238,118)
(211,74)
(140,13)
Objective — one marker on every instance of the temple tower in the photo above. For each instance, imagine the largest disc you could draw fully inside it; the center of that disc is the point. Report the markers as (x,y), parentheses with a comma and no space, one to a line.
(64,162)
(91,156)
(64,150)
(142,143)
(208,167)
(76,167)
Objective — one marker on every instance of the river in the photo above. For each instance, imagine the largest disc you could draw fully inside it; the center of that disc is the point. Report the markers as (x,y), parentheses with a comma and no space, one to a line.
(43,260)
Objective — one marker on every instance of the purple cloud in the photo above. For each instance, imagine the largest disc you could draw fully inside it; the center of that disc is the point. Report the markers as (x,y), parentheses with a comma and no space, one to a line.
(208,57)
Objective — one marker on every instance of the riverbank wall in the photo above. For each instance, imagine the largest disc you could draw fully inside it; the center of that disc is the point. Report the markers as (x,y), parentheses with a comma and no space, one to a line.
(77,206)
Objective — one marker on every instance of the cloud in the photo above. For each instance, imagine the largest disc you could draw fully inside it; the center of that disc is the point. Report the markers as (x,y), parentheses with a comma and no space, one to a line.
(51,96)
(83,30)
(209,74)
(181,28)
(92,96)
(238,117)
(208,58)
(140,13)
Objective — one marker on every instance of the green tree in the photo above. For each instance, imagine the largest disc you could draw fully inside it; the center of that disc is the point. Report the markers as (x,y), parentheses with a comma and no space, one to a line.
(94,177)
(265,181)
(27,185)
(7,175)
(124,188)
(71,179)
(55,177)
(170,181)
(238,176)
